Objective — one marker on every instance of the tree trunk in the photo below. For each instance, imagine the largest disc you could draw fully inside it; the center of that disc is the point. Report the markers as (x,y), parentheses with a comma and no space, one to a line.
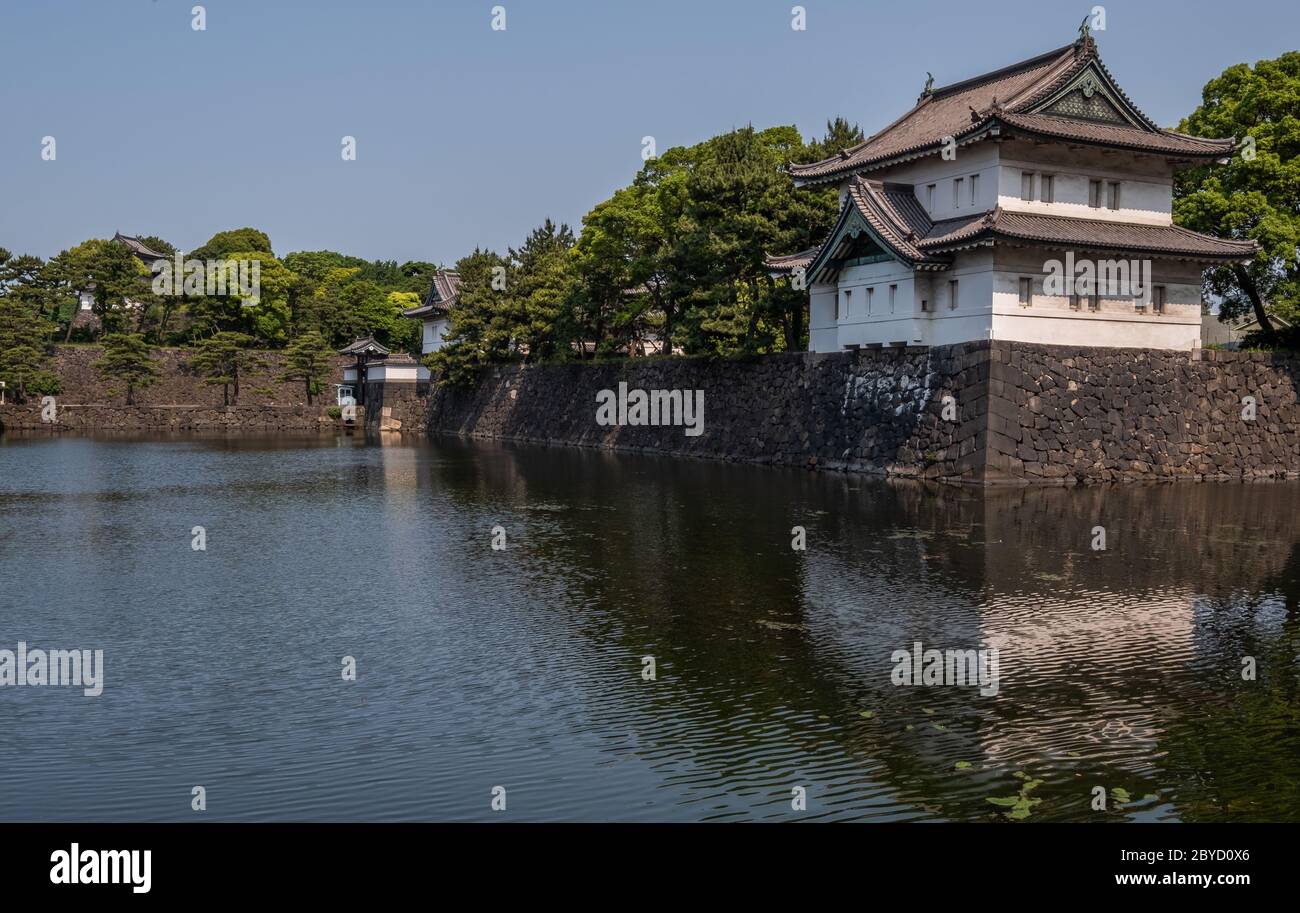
(1248,286)
(307,383)
(162,325)
(235,375)
(225,395)
(130,394)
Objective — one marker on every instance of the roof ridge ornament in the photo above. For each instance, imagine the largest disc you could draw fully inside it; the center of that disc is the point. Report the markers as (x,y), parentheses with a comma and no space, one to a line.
(929,85)
(1085,45)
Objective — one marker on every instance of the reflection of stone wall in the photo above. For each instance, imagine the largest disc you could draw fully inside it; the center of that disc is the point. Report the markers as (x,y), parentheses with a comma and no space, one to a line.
(1026,413)
(875,410)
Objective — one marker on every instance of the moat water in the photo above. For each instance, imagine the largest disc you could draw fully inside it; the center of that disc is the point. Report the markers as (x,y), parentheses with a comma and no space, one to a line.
(1161,670)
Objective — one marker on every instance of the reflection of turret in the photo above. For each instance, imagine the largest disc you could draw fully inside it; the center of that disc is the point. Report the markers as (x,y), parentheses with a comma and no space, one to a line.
(774,665)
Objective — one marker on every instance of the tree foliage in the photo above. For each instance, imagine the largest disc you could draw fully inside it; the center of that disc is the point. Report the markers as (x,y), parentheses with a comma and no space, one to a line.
(127,359)
(1256,195)
(24,329)
(308,359)
(225,358)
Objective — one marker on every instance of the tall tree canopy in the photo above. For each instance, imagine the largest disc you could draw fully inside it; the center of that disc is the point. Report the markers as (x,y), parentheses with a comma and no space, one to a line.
(1255,195)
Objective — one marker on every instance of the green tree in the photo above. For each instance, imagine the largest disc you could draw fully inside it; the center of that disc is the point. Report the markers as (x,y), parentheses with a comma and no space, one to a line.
(316,264)
(224,359)
(24,332)
(310,360)
(127,358)
(539,288)
(480,331)
(265,315)
(840,135)
(1256,195)
(622,262)
(115,274)
(224,245)
(740,207)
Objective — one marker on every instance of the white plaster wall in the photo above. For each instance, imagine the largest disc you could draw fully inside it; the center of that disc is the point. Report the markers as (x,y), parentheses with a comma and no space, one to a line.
(1118,323)
(397,374)
(970,319)
(823,333)
(981,159)
(1146,192)
(869,319)
(435,334)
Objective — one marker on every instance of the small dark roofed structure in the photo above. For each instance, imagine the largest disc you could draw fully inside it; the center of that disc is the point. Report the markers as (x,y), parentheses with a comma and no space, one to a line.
(364,346)
(441,297)
(145,253)
(367,353)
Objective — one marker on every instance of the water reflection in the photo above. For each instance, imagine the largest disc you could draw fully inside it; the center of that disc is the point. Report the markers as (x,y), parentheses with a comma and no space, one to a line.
(1120,668)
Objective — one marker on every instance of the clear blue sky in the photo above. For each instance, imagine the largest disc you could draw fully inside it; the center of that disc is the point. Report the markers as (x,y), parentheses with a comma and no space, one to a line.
(466,136)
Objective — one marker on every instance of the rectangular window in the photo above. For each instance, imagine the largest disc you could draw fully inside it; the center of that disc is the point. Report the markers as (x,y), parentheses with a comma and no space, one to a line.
(871,294)
(1026,292)
(1094,194)
(1047,188)
(974,188)
(841,313)
(925,305)
(893,296)
(956,192)
(1158,299)
(929,197)
(952,293)
(1112,199)
(1026,185)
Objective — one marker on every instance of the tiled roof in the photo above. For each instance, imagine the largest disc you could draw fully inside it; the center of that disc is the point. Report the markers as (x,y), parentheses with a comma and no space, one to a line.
(367,343)
(1165,141)
(1011,95)
(894,216)
(441,297)
(148,254)
(788,263)
(898,221)
(1088,234)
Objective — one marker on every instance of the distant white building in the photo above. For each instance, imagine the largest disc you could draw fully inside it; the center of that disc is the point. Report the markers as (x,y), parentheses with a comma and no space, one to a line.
(951,216)
(84,315)
(436,311)
(373,363)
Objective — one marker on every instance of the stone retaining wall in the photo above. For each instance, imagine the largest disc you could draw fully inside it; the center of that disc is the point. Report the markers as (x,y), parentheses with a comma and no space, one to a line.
(101,418)
(1106,414)
(879,411)
(1022,413)
(178,383)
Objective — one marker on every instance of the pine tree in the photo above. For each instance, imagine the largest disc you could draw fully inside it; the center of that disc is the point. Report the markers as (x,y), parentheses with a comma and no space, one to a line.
(223,358)
(310,360)
(127,357)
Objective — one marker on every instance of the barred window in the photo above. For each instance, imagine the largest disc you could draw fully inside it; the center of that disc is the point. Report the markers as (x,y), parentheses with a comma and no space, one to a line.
(1026,292)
